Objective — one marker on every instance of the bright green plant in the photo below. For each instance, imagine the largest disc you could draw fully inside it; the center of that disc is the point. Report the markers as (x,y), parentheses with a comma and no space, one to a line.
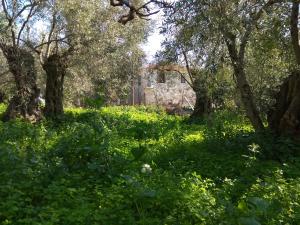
(126,165)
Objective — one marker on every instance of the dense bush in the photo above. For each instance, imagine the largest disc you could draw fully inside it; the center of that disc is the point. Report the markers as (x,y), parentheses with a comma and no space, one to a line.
(124,165)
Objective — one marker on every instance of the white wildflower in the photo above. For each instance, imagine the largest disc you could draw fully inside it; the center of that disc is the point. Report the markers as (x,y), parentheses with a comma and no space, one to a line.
(146,168)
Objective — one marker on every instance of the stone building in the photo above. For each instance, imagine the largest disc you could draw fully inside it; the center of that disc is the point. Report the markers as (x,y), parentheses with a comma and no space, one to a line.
(165,86)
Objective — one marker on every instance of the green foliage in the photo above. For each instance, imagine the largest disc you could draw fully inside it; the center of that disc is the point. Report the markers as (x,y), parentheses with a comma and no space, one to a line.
(95,103)
(2,108)
(110,56)
(125,165)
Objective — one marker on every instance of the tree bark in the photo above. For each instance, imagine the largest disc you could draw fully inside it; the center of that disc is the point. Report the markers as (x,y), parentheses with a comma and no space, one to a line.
(202,106)
(55,68)
(295,31)
(248,99)
(284,118)
(2,97)
(243,86)
(21,65)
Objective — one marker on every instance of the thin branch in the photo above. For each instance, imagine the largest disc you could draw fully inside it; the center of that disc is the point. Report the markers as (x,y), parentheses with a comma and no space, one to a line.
(51,41)
(8,17)
(137,11)
(53,25)
(30,14)
(145,6)
(183,75)
(23,9)
(187,65)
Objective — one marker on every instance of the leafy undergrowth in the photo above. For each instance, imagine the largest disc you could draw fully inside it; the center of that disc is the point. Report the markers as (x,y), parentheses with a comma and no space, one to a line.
(140,166)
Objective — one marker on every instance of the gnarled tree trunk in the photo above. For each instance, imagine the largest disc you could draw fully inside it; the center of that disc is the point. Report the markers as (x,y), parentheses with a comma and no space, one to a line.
(285,116)
(21,65)
(203,104)
(55,68)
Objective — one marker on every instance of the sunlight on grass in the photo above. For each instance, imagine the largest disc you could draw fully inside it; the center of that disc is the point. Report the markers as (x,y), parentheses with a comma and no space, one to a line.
(139,164)
(194,137)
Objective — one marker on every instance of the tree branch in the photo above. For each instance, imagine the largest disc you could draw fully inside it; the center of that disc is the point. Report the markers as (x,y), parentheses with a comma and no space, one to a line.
(251,24)
(30,14)
(182,74)
(137,11)
(53,25)
(23,9)
(187,65)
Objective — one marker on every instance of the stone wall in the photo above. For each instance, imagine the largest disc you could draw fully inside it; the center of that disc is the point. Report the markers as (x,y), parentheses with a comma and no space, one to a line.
(173,93)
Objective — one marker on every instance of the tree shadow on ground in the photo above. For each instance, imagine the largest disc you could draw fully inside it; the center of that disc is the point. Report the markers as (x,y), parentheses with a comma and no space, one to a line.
(244,158)
(78,176)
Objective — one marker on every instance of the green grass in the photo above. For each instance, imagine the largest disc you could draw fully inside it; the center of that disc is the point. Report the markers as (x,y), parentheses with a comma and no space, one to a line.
(89,168)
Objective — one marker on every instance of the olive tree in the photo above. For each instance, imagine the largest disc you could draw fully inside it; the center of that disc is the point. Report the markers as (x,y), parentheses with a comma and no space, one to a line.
(17,16)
